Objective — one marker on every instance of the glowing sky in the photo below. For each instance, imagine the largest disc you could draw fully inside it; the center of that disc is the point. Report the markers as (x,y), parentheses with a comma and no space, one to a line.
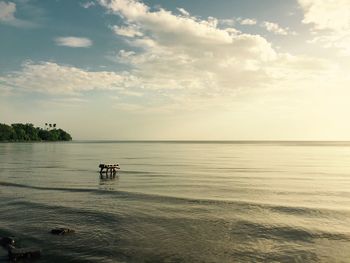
(194,69)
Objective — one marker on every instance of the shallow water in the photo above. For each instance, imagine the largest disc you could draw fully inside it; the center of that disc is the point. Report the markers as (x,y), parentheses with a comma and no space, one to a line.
(179,201)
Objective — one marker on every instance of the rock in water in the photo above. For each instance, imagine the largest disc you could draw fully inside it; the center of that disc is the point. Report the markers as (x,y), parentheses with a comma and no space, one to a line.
(7,241)
(61,231)
(16,254)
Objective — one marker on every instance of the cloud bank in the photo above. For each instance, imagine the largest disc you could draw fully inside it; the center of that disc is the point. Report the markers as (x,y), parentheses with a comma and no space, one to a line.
(197,56)
(52,78)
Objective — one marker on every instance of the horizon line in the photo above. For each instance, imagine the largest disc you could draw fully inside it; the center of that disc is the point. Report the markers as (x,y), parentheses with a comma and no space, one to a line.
(190,140)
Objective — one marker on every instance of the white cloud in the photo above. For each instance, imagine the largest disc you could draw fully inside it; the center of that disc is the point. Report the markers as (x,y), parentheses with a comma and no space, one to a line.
(227,22)
(52,78)
(248,21)
(242,21)
(7,11)
(73,42)
(7,15)
(327,14)
(183,12)
(276,28)
(127,31)
(191,54)
(88,4)
(330,20)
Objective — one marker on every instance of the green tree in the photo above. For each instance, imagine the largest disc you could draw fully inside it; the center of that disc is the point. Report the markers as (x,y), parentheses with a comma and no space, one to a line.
(20,132)
(6,133)
(44,135)
(31,132)
(64,136)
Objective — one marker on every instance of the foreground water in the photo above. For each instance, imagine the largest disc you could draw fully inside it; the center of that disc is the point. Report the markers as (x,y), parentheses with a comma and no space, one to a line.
(179,202)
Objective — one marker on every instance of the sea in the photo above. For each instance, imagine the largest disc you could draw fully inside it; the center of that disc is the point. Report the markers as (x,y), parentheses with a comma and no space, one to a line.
(178,201)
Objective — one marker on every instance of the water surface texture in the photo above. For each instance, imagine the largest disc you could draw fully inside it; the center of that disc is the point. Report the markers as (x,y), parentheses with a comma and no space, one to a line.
(179,201)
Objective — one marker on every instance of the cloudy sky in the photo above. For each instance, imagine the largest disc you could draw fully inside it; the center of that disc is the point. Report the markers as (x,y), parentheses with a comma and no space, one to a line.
(179,69)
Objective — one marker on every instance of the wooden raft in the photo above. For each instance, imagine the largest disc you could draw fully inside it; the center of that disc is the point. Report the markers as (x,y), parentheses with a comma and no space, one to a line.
(105,168)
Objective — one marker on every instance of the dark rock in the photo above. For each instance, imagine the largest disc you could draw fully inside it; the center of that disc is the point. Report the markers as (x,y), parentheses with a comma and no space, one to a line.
(7,241)
(61,231)
(16,254)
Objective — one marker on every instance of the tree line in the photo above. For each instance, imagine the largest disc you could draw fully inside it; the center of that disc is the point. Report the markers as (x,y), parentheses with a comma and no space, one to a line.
(19,132)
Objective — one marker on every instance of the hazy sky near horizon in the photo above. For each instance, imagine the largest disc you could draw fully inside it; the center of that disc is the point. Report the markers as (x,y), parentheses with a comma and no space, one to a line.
(180,69)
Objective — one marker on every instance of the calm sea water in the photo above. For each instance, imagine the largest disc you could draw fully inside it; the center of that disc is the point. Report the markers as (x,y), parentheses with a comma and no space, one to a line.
(179,202)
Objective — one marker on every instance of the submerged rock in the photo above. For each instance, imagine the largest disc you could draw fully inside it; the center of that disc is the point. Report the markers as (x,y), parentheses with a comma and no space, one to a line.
(62,231)
(16,254)
(6,242)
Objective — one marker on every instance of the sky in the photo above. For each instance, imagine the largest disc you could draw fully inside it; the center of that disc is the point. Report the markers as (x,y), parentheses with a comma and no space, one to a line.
(179,69)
